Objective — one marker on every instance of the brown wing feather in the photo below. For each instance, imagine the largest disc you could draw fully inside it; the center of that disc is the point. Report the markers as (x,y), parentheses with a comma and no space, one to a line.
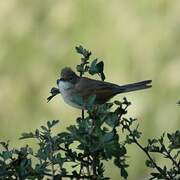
(103,90)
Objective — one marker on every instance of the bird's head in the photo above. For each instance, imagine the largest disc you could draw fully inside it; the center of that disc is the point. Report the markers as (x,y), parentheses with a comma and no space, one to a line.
(68,75)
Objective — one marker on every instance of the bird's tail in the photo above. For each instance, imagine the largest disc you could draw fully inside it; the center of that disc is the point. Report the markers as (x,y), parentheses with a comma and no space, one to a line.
(134,86)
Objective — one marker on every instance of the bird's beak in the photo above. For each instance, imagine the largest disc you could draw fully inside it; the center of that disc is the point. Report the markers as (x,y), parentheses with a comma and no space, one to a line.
(58,80)
(61,79)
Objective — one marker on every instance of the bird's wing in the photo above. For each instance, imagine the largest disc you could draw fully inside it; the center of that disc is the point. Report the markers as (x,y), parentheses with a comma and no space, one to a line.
(102,90)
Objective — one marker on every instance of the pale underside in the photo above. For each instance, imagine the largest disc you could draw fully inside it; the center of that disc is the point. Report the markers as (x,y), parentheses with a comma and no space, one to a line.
(102,91)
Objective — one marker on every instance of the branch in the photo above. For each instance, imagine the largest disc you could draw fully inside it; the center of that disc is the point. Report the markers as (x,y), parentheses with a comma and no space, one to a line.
(149,156)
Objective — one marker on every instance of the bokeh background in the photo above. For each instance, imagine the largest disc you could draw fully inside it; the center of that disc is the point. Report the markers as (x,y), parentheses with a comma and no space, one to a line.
(136,39)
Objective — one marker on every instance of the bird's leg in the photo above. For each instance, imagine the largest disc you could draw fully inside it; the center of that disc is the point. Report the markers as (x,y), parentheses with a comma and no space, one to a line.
(82,114)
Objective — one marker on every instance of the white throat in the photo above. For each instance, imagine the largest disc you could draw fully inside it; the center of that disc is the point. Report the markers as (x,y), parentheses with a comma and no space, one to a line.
(64,86)
(65,89)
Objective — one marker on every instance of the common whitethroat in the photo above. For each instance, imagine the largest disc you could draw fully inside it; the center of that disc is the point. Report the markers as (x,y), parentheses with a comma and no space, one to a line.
(71,85)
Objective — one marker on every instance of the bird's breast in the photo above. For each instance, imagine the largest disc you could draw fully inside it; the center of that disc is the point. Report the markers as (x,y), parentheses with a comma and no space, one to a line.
(66,90)
(63,85)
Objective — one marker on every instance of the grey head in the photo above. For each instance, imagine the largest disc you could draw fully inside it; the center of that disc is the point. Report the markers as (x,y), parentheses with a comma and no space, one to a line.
(68,75)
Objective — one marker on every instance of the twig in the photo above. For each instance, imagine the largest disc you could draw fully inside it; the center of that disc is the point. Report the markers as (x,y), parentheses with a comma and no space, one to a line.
(87,167)
(82,114)
(52,164)
(168,154)
(150,158)
(72,176)
(77,158)
(94,165)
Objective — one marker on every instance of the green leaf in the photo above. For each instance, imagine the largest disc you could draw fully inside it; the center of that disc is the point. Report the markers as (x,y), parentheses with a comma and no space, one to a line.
(83,51)
(5,145)
(136,133)
(129,139)
(63,172)
(169,136)
(79,49)
(37,133)
(100,66)
(174,140)
(122,151)
(27,135)
(102,76)
(60,160)
(52,123)
(124,173)
(107,137)
(149,163)
(42,168)
(41,154)
(45,128)
(112,119)
(93,68)
(100,69)
(157,175)
(79,68)
(63,134)
(117,103)
(6,155)
(72,129)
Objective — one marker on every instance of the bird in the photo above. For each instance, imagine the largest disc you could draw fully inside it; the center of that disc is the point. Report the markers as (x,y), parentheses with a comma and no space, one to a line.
(70,85)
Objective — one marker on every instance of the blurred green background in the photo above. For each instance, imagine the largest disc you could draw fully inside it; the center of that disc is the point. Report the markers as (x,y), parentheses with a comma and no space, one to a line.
(136,39)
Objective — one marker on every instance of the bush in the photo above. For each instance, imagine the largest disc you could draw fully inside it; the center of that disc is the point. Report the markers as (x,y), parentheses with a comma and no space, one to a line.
(86,145)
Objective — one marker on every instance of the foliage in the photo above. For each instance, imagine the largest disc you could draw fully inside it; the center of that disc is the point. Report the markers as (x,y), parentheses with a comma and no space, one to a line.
(95,139)
(94,68)
(157,146)
(86,145)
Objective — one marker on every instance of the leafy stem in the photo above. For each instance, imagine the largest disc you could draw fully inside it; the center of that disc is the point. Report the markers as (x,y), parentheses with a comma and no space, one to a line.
(161,171)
